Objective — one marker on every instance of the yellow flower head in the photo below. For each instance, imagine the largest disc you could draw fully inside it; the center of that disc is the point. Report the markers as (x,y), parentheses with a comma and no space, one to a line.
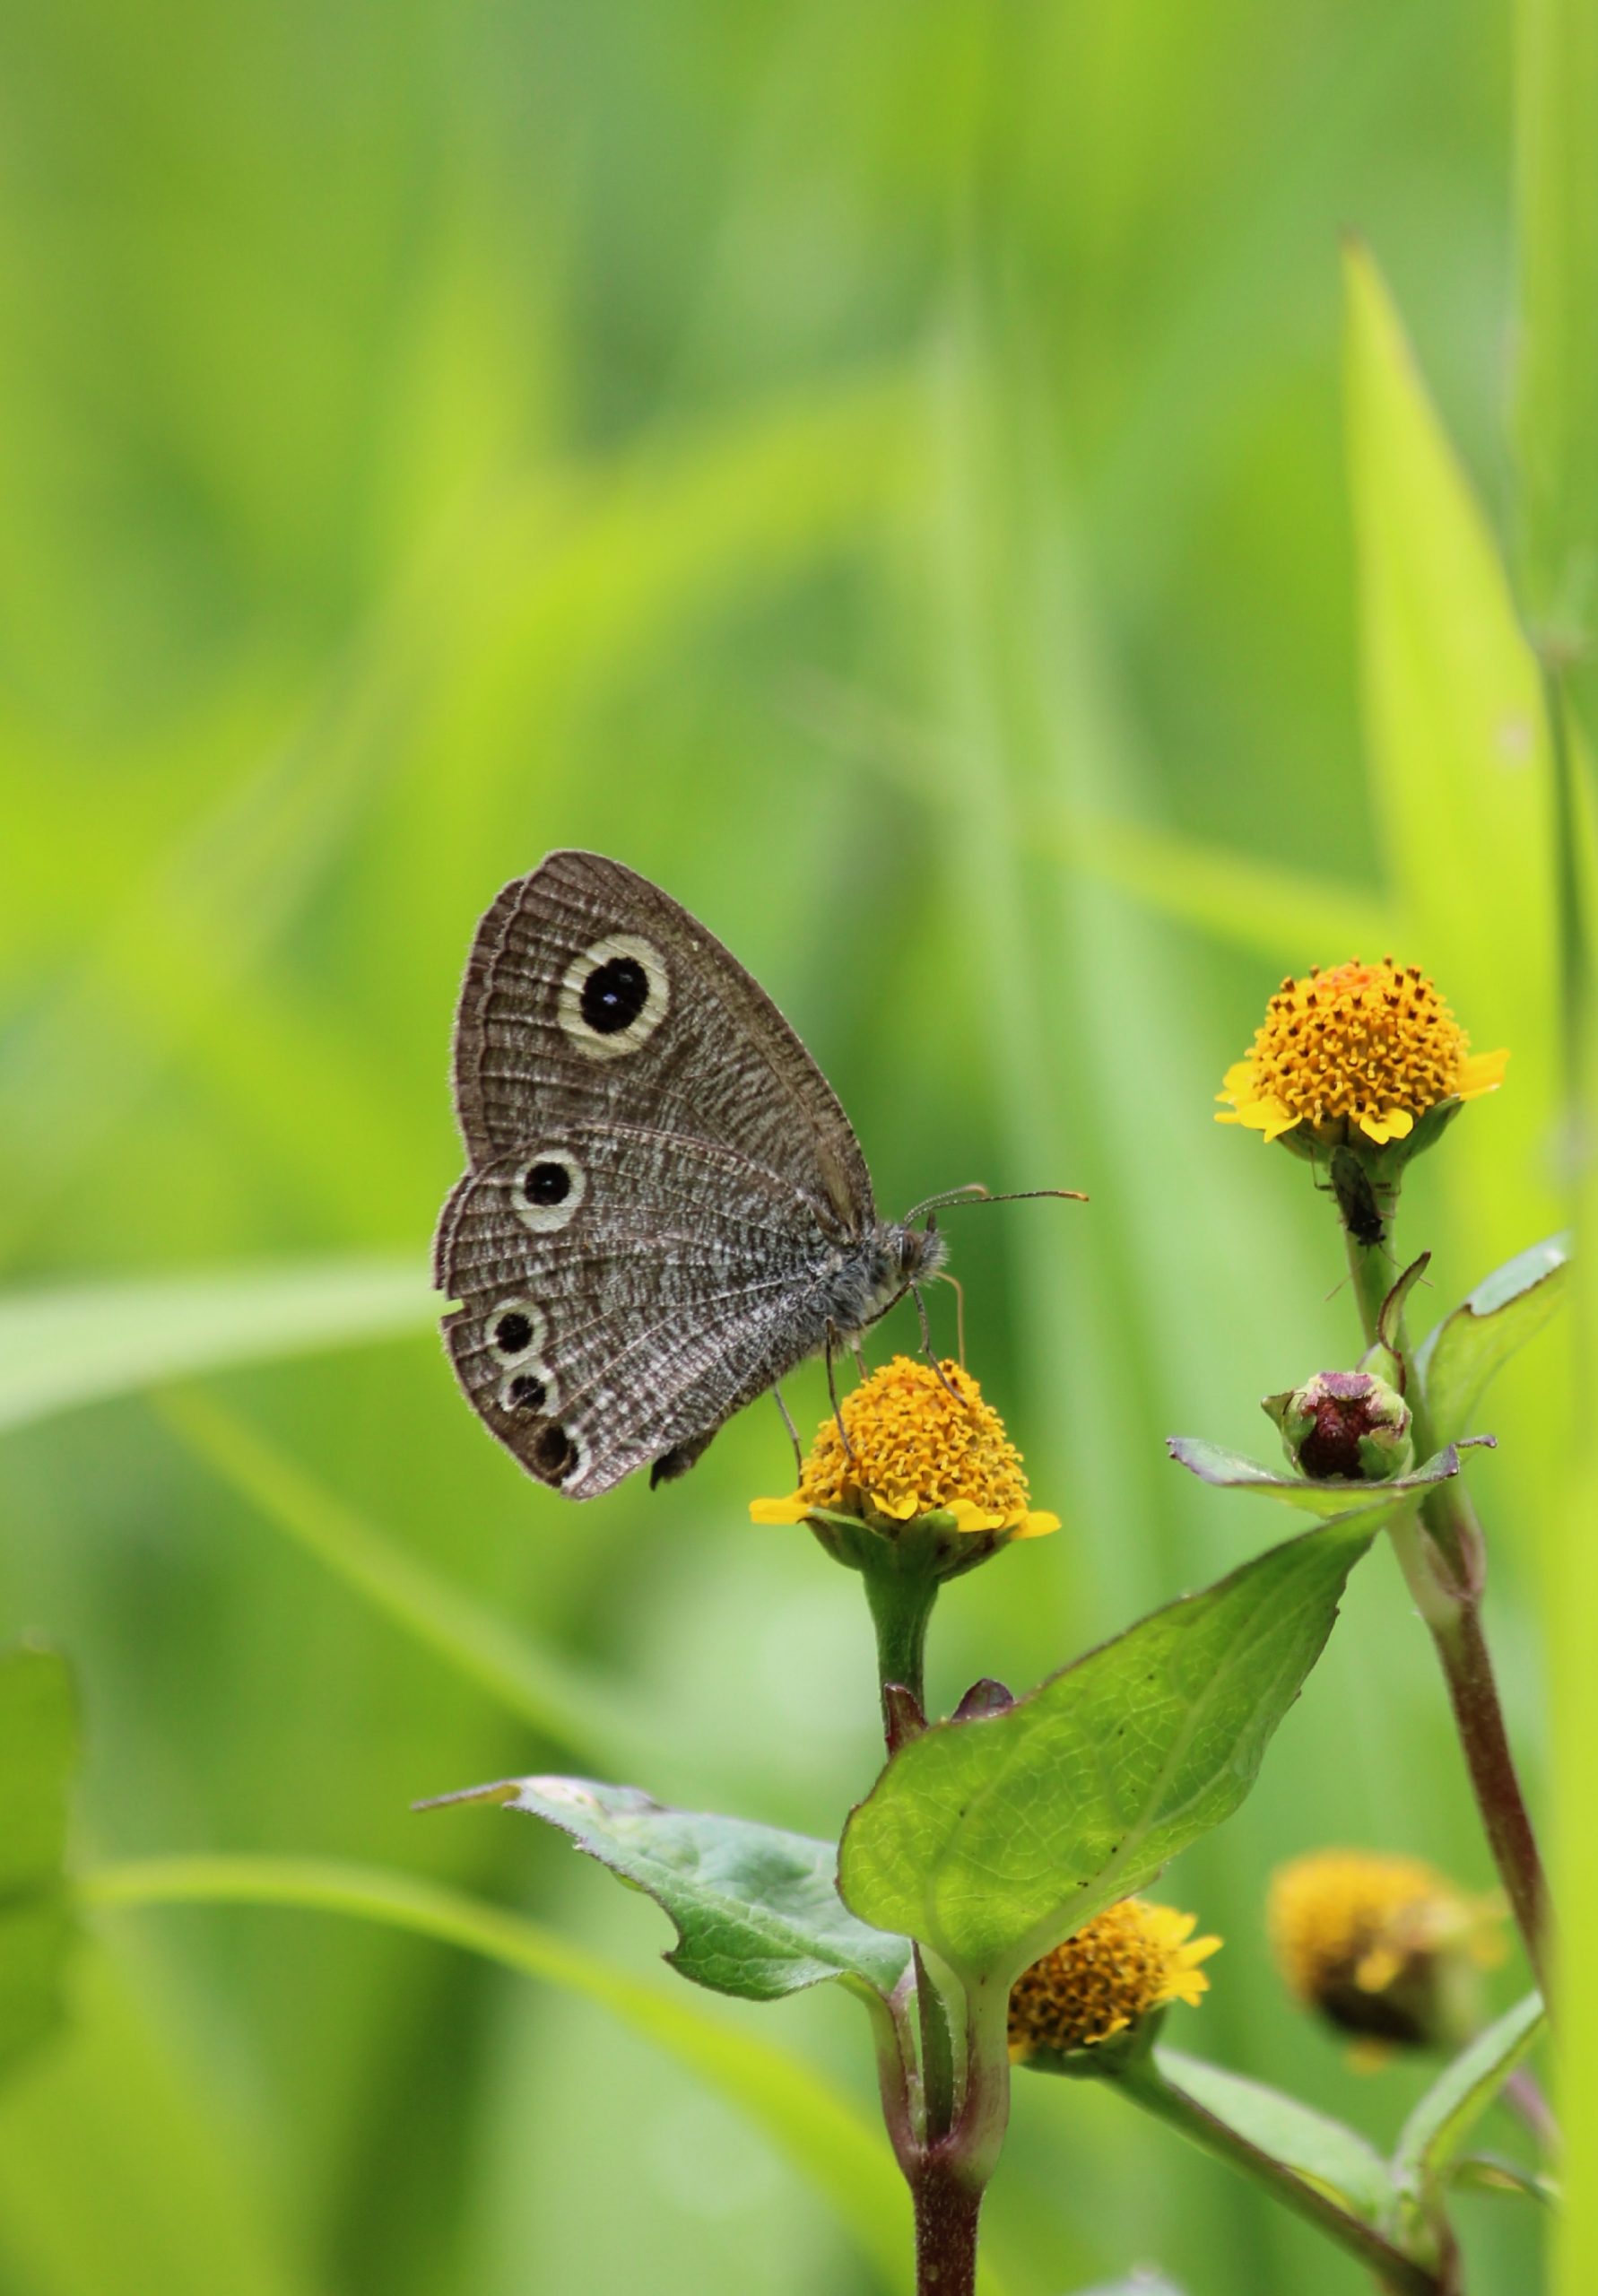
(1383,1947)
(1359,1050)
(917,1449)
(1124,1963)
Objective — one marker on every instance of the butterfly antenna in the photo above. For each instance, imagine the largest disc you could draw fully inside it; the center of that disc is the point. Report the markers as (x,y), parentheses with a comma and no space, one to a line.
(975,1192)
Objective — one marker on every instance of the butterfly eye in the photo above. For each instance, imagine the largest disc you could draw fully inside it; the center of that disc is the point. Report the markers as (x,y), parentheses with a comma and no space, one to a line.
(614,996)
(548,1189)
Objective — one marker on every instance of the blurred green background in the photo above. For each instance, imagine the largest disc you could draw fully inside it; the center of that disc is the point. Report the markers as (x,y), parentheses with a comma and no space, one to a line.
(908,480)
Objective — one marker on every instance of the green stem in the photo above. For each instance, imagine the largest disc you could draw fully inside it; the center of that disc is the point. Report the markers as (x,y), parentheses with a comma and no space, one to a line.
(1441,1555)
(901,1605)
(1143,2082)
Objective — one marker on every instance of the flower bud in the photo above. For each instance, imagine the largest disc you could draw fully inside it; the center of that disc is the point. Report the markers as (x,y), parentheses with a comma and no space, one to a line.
(1344,1427)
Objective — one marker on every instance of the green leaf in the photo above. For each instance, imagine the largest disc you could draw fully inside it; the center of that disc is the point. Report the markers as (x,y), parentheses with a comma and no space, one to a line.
(1492,2172)
(38,1748)
(1334,1501)
(1325,2152)
(1459,2096)
(757,1909)
(77,1343)
(1459,1355)
(993,1838)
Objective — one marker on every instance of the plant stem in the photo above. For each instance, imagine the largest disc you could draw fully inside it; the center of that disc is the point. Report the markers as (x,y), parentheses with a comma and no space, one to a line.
(901,1605)
(1443,1559)
(946,2211)
(1142,2081)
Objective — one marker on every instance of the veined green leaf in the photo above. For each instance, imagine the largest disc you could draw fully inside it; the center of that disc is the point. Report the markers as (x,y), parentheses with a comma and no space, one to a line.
(1459,2096)
(1334,1501)
(77,1343)
(1327,2153)
(990,1840)
(757,1909)
(37,1752)
(1460,1354)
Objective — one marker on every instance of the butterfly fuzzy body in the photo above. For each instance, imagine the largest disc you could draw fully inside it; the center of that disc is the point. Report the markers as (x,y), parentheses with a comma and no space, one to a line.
(665,1208)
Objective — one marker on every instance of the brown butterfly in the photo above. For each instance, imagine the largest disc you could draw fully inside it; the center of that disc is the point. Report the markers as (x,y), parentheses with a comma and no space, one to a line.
(665,1208)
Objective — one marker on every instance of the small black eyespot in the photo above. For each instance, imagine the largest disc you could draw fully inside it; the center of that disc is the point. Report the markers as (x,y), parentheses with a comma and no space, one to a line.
(546,1184)
(525,1392)
(614,994)
(513,1332)
(554,1453)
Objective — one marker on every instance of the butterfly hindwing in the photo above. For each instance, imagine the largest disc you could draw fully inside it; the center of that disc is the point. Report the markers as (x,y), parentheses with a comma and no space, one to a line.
(641,1321)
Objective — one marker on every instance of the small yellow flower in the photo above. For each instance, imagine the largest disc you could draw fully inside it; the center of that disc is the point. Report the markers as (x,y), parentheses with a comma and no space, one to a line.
(1384,1947)
(1360,1049)
(1121,1965)
(917,1450)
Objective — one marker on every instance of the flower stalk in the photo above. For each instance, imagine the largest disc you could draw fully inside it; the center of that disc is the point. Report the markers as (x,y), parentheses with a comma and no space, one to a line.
(1140,2076)
(1442,1554)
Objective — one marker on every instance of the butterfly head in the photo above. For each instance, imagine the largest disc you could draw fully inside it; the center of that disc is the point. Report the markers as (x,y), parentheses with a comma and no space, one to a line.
(917,1253)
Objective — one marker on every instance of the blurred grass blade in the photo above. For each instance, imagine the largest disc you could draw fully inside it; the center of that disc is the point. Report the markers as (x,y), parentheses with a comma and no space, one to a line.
(535,1683)
(823,2136)
(79,1343)
(1269,911)
(1458,761)
(121,2172)
(1556,157)
(38,1756)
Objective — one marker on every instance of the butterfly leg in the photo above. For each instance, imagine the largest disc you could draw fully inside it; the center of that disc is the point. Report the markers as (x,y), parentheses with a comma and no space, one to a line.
(927,1349)
(832,1338)
(792,1430)
(960,1313)
(858,1352)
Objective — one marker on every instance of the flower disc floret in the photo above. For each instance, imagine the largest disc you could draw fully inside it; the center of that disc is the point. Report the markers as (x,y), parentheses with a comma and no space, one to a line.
(1360,1049)
(921,1440)
(1383,1946)
(1131,1960)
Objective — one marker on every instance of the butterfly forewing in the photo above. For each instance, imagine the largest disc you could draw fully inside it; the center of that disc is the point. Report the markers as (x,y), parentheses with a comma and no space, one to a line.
(660,1178)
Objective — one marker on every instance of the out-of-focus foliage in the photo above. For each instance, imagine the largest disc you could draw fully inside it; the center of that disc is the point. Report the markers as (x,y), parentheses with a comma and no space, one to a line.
(883,473)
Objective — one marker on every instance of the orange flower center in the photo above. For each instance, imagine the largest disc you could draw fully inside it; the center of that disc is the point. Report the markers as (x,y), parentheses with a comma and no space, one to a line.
(1357,1041)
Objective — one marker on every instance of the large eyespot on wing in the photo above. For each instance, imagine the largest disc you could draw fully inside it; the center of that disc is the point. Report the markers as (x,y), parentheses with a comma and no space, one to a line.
(590,992)
(614,996)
